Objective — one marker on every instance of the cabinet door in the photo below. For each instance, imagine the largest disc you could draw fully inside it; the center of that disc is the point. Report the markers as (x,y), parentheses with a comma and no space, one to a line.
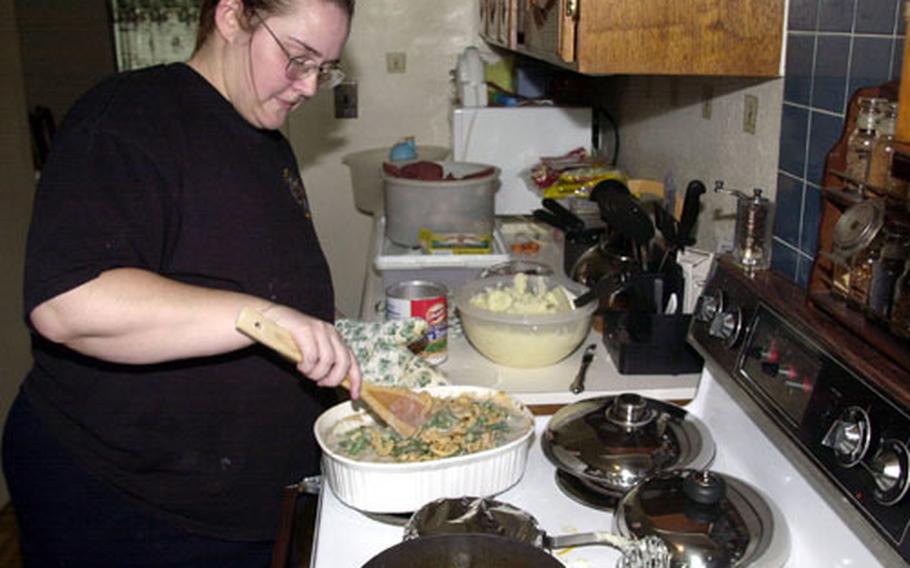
(656,37)
(487,20)
(681,37)
(549,29)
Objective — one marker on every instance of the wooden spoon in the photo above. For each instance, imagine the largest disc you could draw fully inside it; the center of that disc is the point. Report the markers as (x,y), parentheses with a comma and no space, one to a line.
(402,409)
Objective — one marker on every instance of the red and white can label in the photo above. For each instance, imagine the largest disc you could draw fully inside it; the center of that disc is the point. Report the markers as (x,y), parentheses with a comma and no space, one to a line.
(425,300)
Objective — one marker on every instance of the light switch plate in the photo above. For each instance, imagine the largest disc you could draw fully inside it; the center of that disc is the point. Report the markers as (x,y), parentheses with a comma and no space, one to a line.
(346,100)
(750,114)
(396,62)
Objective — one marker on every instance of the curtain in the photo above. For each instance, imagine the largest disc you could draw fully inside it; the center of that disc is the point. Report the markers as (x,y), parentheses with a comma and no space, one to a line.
(149,32)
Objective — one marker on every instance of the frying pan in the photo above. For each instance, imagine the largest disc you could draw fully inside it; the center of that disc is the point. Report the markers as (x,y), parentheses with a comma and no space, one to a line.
(463,551)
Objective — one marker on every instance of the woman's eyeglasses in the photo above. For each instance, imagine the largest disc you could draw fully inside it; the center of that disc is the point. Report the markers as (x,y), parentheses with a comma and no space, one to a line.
(328,75)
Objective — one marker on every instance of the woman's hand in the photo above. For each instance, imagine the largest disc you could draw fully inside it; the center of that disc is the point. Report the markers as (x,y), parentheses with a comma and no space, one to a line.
(327,360)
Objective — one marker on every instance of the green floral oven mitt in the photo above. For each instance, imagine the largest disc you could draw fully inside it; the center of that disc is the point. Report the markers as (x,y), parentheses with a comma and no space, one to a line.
(382,350)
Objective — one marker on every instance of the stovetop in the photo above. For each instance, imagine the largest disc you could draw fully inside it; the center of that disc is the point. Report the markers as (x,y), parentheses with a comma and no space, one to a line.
(818,536)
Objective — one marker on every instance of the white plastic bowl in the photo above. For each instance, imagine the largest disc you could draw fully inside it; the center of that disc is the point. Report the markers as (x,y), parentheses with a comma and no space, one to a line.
(405,487)
(523,340)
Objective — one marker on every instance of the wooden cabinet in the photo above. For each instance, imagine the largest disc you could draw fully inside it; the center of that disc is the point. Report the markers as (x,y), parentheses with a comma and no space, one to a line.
(646,37)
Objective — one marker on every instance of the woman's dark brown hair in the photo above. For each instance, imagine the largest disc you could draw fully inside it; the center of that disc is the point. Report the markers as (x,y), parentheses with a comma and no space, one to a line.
(207,12)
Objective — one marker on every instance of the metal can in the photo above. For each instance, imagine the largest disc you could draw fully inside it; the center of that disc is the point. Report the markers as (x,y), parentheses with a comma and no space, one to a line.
(426,300)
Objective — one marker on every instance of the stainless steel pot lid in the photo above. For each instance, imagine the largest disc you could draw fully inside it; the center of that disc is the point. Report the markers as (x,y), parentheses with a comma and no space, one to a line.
(614,442)
(707,519)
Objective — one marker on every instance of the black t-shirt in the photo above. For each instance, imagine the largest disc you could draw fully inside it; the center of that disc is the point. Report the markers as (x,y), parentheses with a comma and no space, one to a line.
(155,169)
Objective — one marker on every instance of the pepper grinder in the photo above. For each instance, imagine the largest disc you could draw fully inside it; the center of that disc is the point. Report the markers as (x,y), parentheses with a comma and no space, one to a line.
(752,241)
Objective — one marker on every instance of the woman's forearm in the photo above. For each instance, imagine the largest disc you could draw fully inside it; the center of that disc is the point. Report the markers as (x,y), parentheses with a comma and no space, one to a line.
(133,316)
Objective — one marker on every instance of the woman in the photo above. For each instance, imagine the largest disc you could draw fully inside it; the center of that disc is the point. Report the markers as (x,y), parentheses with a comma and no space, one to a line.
(149,431)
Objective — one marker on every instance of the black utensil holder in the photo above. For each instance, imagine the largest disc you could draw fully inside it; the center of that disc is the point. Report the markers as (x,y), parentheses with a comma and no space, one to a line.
(643,343)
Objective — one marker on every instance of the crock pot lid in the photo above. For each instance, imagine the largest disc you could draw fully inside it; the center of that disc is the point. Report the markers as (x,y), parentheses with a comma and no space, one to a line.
(616,441)
(706,518)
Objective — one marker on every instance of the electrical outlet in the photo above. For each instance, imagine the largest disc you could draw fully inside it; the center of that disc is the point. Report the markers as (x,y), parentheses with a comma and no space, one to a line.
(750,114)
(396,62)
(346,100)
(707,96)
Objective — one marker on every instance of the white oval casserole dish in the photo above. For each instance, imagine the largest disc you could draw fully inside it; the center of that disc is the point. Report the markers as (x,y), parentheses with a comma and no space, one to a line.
(375,487)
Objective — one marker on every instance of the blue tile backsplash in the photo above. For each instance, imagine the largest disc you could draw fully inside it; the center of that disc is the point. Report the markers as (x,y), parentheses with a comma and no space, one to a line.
(833,48)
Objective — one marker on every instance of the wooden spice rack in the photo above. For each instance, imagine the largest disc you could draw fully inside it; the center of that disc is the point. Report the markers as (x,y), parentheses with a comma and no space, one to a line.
(836,198)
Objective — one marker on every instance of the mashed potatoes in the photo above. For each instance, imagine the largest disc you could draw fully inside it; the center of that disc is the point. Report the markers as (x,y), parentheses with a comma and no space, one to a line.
(524,297)
(528,325)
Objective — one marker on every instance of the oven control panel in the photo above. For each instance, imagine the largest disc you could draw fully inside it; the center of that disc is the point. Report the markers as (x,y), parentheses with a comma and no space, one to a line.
(847,428)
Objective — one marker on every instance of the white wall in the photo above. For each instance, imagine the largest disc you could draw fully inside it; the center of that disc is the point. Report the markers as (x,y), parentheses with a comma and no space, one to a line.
(17,190)
(391,106)
(662,130)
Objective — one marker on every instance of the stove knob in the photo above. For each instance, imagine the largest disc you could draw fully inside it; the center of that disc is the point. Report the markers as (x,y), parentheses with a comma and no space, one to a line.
(709,305)
(889,468)
(849,436)
(727,326)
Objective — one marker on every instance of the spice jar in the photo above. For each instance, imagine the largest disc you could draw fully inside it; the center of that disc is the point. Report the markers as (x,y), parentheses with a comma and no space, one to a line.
(900,311)
(861,273)
(885,273)
(860,143)
(880,179)
(853,234)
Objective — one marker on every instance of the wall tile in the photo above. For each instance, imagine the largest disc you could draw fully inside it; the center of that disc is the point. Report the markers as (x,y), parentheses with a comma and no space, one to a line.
(835,15)
(812,214)
(802,14)
(803,270)
(794,128)
(833,54)
(789,209)
(870,63)
(783,260)
(875,16)
(824,131)
(798,80)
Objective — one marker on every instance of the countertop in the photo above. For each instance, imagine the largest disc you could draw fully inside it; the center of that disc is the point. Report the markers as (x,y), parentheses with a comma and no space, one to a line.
(536,387)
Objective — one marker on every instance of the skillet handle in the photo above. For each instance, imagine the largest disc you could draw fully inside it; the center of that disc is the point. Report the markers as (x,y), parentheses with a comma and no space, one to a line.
(586,539)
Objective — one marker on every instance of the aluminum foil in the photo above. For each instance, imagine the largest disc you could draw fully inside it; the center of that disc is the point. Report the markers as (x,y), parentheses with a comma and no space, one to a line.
(469,515)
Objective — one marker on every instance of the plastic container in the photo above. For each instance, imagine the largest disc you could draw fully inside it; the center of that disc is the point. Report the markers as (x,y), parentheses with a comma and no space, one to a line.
(399,264)
(366,173)
(650,344)
(523,340)
(445,206)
